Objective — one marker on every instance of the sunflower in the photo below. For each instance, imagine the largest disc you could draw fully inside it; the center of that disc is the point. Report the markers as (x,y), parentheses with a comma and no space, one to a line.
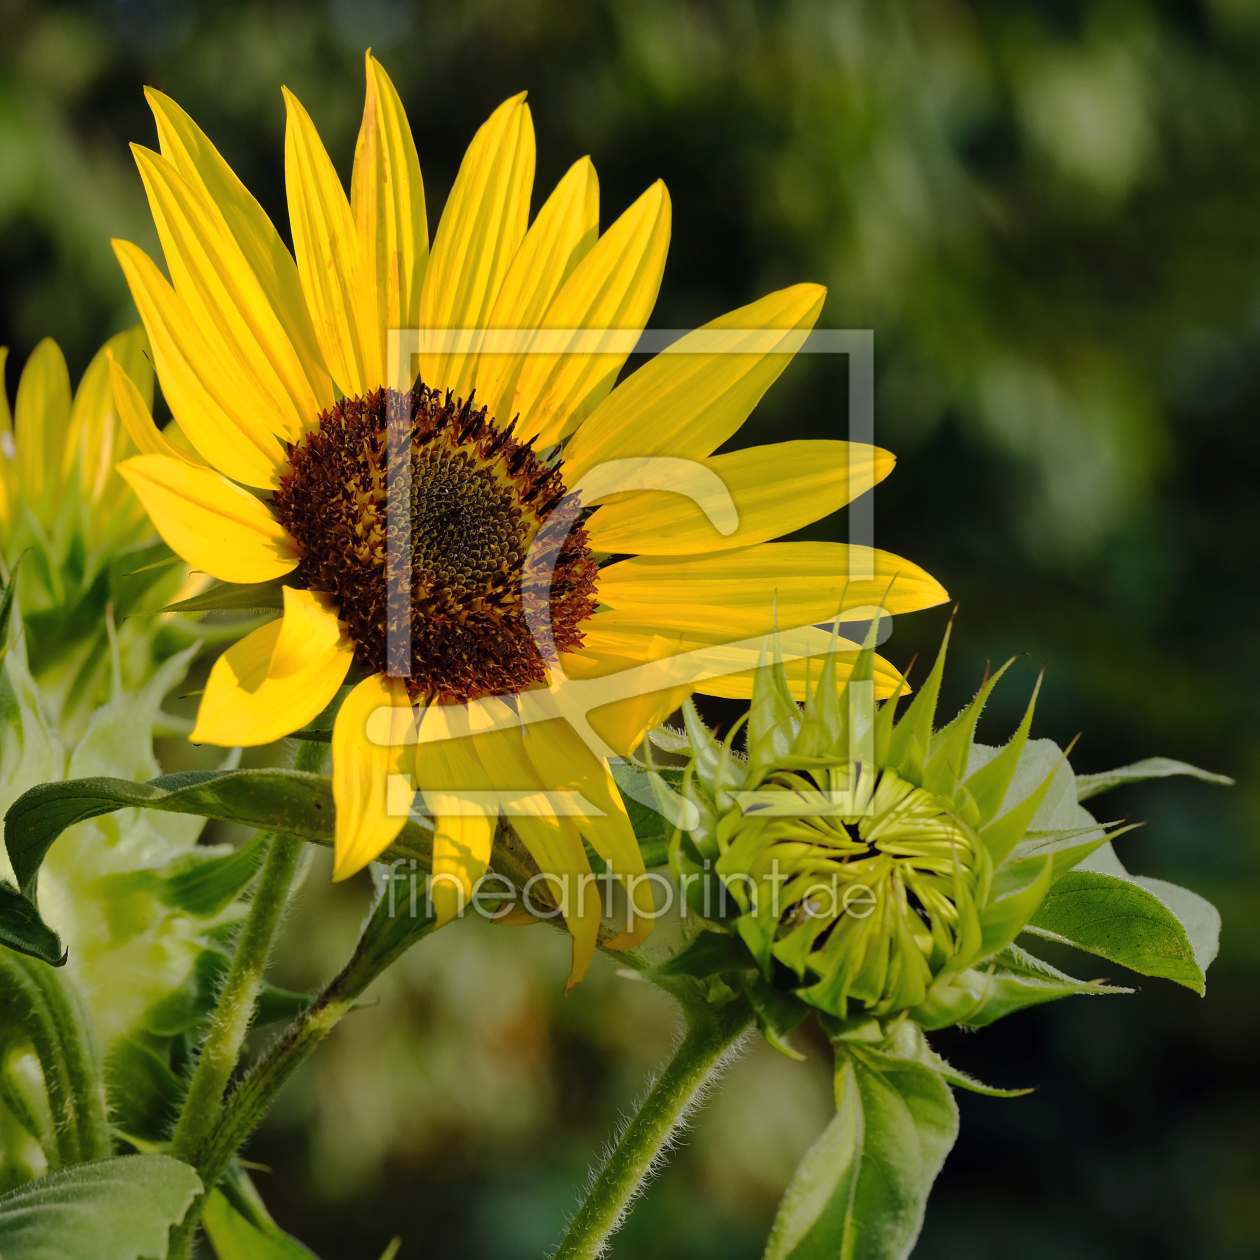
(80,541)
(275,368)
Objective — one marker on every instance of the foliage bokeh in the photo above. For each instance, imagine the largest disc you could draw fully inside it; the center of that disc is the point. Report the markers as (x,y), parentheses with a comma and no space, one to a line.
(1046,209)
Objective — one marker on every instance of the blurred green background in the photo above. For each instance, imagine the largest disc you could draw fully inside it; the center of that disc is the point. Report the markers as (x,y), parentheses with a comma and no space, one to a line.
(1049,213)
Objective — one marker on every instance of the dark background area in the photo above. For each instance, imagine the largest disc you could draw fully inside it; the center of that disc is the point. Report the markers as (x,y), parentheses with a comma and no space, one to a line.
(1048,213)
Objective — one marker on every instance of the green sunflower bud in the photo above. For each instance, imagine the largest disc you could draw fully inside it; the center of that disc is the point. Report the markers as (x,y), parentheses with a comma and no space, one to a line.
(872,866)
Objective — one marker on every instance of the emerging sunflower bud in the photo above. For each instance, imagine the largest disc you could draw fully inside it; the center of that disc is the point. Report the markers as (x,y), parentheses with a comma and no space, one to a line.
(871,867)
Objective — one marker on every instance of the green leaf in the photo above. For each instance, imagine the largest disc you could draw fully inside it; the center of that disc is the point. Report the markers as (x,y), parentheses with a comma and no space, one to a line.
(815,1219)
(1088,785)
(112,1209)
(291,802)
(22,929)
(252,597)
(144,1094)
(1146,925)
(861,1191)
(235,1237)
(710,953)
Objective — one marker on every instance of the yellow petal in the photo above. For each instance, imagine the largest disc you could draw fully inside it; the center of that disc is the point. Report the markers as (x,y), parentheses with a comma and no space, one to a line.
(259,691)
(267,262)
(41,419)
(774,489)
(211,523)
(748,592)
(623,723)
(456,788)
(137,419)
(563,763)
(556,846)
(558,239)
(6,416)
(553,840)
(7,486)
(387,202)
(482,225)
(339,291)
(193,380)
(613,287)
(613,641)
(461,855)
(94,439)
(688,401)
(370,811)
(229,308)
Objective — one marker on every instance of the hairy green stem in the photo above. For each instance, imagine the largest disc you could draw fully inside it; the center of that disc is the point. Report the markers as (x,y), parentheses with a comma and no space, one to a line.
(705,1050)
(221,1049)
(40,1006)
(385,937)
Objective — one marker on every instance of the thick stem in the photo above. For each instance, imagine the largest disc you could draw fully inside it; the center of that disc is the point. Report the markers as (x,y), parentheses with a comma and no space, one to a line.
(384,939)
(221,1049)
(712,1033)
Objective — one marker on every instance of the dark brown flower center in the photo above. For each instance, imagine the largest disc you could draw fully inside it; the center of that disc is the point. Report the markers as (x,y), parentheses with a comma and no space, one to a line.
(488,553)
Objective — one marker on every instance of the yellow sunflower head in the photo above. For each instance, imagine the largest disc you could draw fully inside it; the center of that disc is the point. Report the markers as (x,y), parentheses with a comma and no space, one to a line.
(469,556)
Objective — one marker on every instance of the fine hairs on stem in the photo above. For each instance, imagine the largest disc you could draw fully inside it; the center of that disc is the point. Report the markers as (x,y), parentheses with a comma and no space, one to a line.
(713,1039)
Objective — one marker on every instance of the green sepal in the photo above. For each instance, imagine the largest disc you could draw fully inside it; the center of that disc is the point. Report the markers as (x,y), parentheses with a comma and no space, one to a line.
(1147,925)
(1022,892)
(989,785)
(773,716)
(778,1013)
(708,954)
(6,605)
(911,738)
(706,750)
(1003,834)
(110,1209)
(1058,845)
(202,885)
(250,597)
(652,828)
(22,929)
(1088,785)
(885,718)
(1010,982)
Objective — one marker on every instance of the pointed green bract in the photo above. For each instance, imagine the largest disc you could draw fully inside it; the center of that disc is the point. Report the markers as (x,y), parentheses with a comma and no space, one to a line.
(912,737)
(947,765)
(989,784)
